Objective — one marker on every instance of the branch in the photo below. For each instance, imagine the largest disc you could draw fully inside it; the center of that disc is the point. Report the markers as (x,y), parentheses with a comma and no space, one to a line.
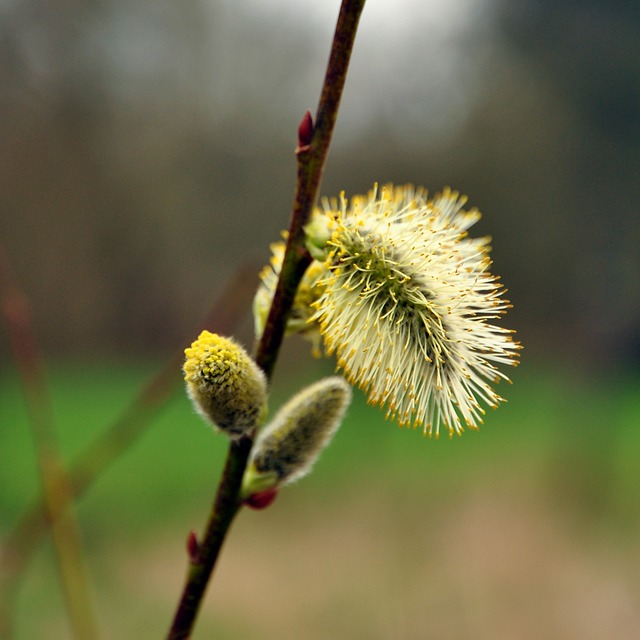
(92,462)
(312,158)
(311,161)
(56,484)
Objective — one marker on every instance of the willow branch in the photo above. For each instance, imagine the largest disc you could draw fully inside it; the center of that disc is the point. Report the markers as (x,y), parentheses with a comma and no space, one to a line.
(312,157)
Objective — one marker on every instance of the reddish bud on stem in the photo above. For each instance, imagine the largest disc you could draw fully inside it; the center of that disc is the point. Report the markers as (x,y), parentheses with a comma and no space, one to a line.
(305,131)
(193,546)
(261,499)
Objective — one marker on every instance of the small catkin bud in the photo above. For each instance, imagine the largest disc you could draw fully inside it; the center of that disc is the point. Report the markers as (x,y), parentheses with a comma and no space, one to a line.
(288,447)
(318,232)
(309,290)
(226,386)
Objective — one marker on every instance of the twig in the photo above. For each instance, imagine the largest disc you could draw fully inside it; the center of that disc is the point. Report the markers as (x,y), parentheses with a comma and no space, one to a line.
(25,537)
(312,156)
(56,484)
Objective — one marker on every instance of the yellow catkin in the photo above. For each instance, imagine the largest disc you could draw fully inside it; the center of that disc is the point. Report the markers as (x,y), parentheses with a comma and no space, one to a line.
(226,386)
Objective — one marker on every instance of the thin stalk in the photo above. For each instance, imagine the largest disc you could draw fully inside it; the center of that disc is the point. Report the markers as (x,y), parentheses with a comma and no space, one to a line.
(56,484)
(312,157)
(92,461)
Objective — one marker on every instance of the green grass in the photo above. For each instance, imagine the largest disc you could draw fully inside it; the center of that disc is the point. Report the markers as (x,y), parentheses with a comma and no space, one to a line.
(565,442)
(551,423)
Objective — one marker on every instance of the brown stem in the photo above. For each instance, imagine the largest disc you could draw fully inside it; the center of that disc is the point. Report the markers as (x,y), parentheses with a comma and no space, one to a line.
(22,542)
(311,161)
(56,484)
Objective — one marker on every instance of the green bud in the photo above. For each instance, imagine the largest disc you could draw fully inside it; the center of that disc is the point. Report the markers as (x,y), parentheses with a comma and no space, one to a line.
(286,449)
(226,386)
(309,290)
(318,232)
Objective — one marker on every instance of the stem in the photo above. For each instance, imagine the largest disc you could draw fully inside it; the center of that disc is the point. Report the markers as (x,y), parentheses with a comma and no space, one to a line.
(22,542)
(311,162)
(56,484)
(224,509)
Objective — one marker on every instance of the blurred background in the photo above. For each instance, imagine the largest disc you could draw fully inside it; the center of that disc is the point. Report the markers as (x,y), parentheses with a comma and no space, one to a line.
(147,155)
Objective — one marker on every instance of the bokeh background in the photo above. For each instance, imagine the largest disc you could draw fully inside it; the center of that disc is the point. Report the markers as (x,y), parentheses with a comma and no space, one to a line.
(147,155)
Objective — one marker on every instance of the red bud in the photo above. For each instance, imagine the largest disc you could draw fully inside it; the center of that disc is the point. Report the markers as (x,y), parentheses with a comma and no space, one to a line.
(305,131)
(193,546)
(261,499)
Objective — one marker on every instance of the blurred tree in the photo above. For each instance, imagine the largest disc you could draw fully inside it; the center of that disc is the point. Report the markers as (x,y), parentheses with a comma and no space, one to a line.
(588,55)
(147,149)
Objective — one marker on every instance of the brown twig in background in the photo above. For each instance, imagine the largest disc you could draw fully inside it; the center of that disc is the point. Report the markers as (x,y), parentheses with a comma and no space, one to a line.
(312,156)
(32,527)
(56,484)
